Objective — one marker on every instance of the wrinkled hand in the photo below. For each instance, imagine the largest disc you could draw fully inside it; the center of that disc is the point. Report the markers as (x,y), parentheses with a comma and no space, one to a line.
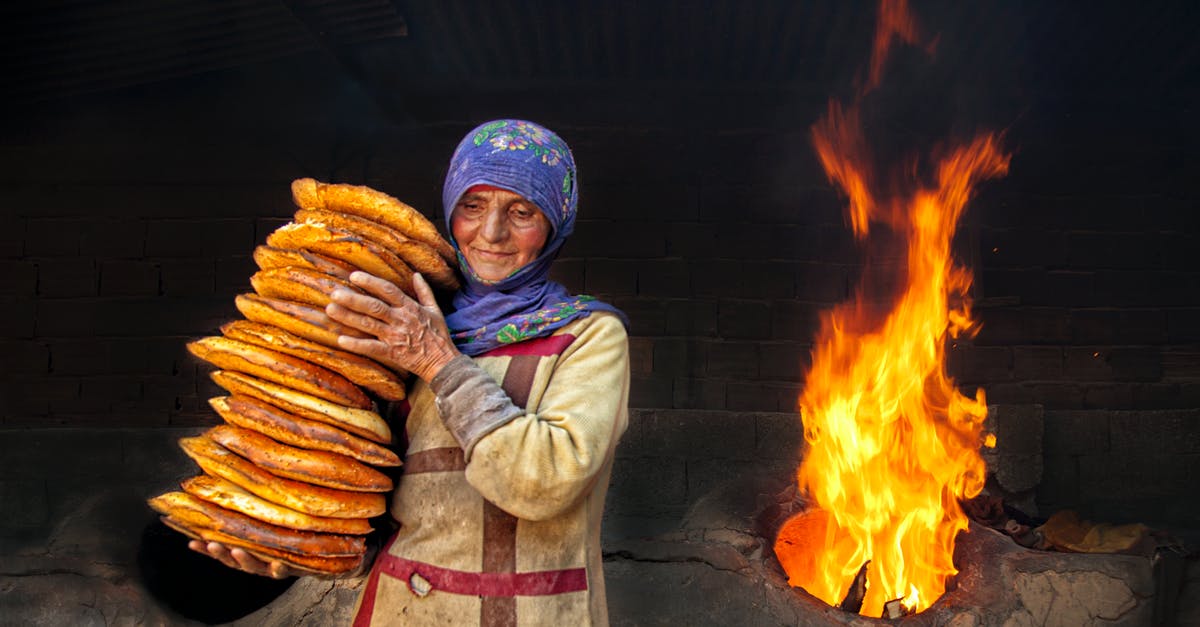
(240,560)
(409,334)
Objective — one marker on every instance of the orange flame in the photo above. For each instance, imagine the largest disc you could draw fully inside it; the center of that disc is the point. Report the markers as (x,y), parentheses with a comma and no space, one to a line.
(892,445)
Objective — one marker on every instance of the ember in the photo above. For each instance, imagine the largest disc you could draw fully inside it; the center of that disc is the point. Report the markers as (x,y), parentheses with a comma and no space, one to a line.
(892,445)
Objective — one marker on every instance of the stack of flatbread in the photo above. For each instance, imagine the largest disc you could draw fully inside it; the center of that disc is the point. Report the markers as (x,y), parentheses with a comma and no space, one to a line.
(293,473)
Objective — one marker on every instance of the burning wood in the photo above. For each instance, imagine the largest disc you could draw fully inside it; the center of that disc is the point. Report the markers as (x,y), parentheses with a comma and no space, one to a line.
(892,445)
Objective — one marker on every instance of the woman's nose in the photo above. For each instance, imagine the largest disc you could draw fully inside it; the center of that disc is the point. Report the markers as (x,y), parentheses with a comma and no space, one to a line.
(495,227)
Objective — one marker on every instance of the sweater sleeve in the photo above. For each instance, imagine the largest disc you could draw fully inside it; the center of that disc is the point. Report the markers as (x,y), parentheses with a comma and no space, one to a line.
(536,465)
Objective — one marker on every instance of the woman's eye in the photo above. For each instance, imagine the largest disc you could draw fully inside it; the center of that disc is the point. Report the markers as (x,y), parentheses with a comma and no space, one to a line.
(523,215)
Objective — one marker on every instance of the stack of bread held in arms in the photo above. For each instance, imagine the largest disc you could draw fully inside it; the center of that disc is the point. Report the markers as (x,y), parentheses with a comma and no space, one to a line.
(291,474)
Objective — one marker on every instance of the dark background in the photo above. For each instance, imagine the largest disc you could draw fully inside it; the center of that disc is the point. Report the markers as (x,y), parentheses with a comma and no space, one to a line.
(148,147)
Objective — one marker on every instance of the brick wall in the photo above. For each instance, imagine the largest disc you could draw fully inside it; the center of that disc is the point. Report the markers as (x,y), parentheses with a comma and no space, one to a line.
(129,220)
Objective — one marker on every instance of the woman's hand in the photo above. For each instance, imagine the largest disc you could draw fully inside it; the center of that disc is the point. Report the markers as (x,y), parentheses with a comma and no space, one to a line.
(241,560)
(409,334)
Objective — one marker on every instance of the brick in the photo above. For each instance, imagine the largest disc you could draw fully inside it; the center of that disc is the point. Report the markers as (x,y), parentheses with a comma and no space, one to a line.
(64,317)
(679,357)
(18,279)
(647,316)
(1094,326)
(691,434)
(826,284)
(1047,325)
(692,240)
(25,503)
(80,356)
(199,238)
(1107,396)
(121,238)
(611,276)
(794,320)
(33,396)
(1022,248)
(1160,396)
(778,436)
(39,453)
(52,237)
(188,277)
(266,226)
(1019,429)
(1183,325)
(128,278)
(784,361)
(112,389)
(698,393)
(979,363)
(609,239)
(67,277)
(1087,364)
(636,203)
(1006,393)
(716,277)
(1037,363)
(1111,250)
(706,475)
(752,396)
(738,360)
(769,279)
(999,325)
(743,319)
(231,274)
(664,278)
(694,318)
(28,357)
(650,391)
(1060,483)
(1136,363)
(631,493)
(12,238)
(1056,395)
(641,355)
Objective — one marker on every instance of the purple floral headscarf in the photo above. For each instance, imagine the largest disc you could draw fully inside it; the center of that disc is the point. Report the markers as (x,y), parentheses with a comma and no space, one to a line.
(530,160)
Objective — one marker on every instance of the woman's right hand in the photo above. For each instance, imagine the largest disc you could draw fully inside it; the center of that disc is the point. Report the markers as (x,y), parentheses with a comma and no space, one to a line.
(241,560)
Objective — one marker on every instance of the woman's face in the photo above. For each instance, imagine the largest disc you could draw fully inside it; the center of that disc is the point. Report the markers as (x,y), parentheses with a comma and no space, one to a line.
(498,232)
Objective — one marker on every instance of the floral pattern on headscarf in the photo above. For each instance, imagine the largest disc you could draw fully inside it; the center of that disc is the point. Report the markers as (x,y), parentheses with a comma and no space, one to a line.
(531,160)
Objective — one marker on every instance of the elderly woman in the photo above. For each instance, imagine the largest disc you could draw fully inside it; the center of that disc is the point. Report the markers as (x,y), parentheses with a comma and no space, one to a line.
(520,400)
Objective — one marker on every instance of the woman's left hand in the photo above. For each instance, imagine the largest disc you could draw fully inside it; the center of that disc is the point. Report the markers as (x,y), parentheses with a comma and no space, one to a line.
(409,334)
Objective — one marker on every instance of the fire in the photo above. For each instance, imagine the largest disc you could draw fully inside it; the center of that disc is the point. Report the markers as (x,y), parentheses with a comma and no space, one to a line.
(892,445)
